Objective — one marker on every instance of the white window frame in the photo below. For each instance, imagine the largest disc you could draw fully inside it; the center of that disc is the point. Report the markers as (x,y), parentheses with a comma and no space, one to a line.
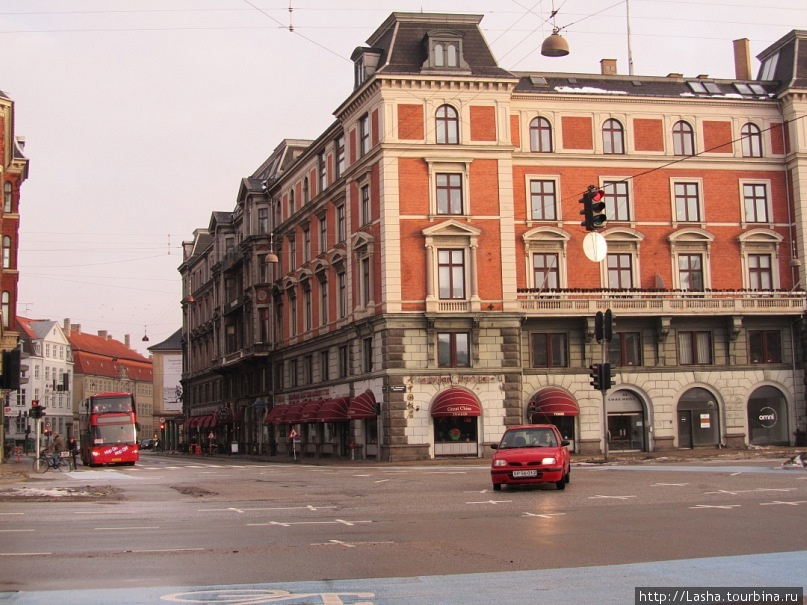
(546,240)
(454,165)
(768,201)
(701,205)
(528,179)
(691,241)
(760,241)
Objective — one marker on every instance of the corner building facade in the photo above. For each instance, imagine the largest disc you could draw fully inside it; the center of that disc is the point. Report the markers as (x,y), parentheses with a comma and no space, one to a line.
(432,284)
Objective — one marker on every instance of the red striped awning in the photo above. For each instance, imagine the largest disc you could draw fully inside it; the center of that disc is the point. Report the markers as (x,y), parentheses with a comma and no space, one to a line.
(293,413)
(334,410)
(310,411)
(275,415)
(553,401)
(455,402)
(362,406)
(205,421)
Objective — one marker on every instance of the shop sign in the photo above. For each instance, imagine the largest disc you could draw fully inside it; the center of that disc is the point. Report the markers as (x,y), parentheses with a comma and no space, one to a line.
(706,421)
(767,417)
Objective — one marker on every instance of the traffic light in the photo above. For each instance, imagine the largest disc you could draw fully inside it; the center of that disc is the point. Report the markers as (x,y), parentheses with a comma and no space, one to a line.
(596,374)
(606,379)
(604,326)
(37,411)
(593,211)
(162,425)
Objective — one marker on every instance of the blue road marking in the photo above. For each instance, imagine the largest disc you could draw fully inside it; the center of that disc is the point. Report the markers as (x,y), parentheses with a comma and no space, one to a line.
(604,585)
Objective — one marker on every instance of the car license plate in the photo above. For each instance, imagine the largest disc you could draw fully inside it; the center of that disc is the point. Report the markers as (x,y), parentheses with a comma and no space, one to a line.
(117,459)
(522,474)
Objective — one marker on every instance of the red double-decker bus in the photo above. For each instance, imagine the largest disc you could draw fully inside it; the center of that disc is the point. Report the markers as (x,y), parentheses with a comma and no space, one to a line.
(108,431)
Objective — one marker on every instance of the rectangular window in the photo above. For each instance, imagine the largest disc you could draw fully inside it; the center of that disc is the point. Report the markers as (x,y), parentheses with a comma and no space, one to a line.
(543,200)
(694,348)
(263,220)
(308,369)
(365,204)
(323,234)
(764,346)
(617,200)
(364,135)
(293,314)
(367,354)
(760,272)
(306,245)
(687,203)
(625,349)
(342,285)
(340,155)
(453,350)
(755,200)
(365,281)
(690,272)
(324,366)
(292,253)
(307,308)
(323,302)
(231,338)
(323,172)
(449,194)
(545,271)
(264,319)
(451,274)
(620,271)
(341,232)
(343,362)
(549,351)
(295,379)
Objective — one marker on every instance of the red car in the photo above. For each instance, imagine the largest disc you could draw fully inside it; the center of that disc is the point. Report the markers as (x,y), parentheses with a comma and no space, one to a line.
(531,453)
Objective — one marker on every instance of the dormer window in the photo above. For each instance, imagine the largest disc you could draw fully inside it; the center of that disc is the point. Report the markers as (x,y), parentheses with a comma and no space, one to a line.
(445,51)
(365,63)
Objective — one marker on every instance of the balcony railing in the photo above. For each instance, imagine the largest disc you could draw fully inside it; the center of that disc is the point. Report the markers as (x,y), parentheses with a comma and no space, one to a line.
(662,302)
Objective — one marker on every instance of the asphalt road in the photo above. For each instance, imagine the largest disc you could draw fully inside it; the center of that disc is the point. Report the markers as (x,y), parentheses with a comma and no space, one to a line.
(180,521)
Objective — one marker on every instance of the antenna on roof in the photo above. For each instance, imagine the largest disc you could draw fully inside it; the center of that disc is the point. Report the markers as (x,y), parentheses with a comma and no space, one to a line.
(291,10)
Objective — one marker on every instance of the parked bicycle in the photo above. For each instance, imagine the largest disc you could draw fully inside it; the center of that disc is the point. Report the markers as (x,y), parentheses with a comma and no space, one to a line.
(46,461)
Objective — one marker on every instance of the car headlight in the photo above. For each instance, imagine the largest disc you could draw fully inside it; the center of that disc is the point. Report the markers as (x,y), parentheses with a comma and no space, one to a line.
(500,463)
(548,460)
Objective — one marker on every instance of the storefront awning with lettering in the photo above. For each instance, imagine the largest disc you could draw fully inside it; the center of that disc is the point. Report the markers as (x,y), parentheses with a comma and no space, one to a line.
(455,402)
(362,406)
(553,401)
(294,413)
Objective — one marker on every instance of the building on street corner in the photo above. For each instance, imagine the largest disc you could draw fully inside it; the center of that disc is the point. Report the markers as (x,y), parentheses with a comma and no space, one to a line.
(417,278)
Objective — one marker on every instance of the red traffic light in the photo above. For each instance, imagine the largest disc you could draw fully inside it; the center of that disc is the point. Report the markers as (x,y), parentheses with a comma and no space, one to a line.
(596,193)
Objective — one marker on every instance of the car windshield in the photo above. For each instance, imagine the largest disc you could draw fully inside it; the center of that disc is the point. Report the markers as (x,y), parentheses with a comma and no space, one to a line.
(529,438)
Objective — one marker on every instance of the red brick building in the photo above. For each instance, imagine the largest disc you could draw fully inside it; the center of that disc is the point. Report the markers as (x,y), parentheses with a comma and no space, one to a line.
(431,285)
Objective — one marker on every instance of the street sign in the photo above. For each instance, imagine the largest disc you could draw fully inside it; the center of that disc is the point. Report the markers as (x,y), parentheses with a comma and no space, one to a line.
(293,434)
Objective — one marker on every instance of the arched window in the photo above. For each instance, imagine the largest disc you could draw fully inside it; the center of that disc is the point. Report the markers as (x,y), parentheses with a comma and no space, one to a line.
(447,125)
(292,209)
(752,141)
(439,55)
(6,252)
(683,138)
(540,135)
(306,194)
(613,137)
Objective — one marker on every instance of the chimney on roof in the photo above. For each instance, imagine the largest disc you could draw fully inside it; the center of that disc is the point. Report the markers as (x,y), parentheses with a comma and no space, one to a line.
(66,326)
(102,333)
(75,328)
(742,59)
(673,74)
(127,341)
(608,67)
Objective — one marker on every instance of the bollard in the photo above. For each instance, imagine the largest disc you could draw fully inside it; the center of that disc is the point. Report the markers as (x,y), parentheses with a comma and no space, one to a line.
(18,451)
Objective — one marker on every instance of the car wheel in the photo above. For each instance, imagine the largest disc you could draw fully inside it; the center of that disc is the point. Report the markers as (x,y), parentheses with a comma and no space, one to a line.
(568,476)
(497,487)
(561,484)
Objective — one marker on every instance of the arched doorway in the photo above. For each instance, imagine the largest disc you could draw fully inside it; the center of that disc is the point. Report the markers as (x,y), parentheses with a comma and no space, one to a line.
(455,413)
(627,423)
(553,405)
(698,419)
(767,417)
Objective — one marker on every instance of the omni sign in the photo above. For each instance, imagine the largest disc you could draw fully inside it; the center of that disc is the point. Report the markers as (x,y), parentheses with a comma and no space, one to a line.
(460,410)
(767,417)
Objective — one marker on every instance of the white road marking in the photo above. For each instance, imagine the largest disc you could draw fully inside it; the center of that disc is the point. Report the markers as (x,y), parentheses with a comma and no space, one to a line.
(4,514)
(165,550)
(791,503)
(490,502)
(241,510)
(24,554)
(614,497)
(751,491)
(348,544)
(544,516)
(716,506)
(126,528)
(290,523)
(11,531)
(382,480)
(669,484)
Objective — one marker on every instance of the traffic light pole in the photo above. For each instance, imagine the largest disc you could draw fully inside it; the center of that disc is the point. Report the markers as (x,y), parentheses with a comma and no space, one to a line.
(604,392)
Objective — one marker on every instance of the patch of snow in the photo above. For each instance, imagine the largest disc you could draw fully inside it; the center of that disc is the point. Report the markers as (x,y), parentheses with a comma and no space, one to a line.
(589,90)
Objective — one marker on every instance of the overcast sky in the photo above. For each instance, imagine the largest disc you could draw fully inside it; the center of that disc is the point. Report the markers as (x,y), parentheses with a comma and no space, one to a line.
(141,116)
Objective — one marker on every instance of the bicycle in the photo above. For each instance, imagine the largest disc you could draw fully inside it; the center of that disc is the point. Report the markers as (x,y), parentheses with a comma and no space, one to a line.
(45,462)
